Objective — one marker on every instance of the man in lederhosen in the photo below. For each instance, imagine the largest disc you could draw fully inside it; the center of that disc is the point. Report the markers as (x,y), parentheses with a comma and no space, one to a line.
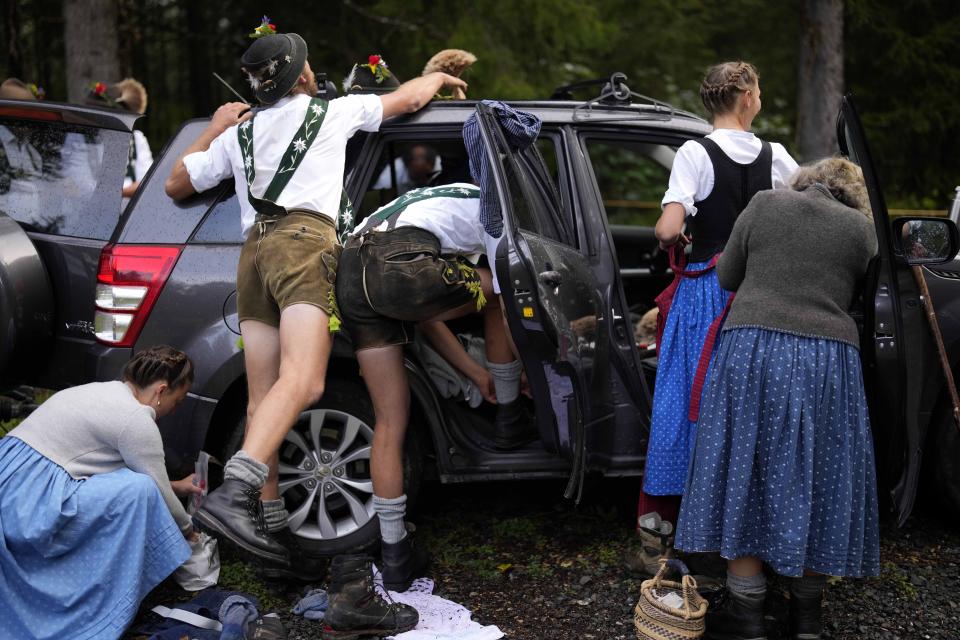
(287,158)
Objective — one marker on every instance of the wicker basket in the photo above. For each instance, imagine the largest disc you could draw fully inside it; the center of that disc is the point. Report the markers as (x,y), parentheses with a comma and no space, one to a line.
(655,620)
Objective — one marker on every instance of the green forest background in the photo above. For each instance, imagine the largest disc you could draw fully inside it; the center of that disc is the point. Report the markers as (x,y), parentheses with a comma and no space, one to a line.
(901,58)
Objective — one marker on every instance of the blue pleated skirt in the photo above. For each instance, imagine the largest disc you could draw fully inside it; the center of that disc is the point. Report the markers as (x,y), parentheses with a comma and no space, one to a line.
(696,303)
(78,556)
(783,468)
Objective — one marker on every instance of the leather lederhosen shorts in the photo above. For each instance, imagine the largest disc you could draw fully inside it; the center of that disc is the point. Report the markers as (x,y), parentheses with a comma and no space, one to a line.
(287,260)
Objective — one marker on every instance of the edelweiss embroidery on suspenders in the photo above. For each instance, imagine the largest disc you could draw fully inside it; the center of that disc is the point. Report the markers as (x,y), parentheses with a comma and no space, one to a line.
(292,157)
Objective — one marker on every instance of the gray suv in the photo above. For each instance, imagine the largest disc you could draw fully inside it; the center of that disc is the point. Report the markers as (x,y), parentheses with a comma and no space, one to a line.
(82,287)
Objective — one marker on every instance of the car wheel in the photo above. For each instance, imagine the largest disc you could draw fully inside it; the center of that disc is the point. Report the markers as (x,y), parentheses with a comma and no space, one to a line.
(26,298)
(324,472)
(948,463)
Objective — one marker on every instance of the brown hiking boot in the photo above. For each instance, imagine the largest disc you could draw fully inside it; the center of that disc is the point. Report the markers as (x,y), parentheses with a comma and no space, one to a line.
(656,541)
(356,609)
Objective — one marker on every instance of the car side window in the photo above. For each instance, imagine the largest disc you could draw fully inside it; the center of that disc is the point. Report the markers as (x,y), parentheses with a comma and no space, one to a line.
(632,177)
(222,223)
(62,179)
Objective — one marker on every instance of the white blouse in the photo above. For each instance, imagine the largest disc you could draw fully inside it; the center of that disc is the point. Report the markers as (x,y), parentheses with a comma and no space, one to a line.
(691,179)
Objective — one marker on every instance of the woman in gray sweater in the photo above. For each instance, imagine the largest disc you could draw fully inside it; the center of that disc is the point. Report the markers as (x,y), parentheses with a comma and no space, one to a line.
(783,471)
(88,517)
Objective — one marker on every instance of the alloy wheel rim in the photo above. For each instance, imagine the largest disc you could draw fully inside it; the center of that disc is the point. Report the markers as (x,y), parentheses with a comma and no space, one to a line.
(324,474)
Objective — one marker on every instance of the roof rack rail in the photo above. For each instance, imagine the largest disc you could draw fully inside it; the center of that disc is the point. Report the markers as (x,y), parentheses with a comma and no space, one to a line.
(614,91)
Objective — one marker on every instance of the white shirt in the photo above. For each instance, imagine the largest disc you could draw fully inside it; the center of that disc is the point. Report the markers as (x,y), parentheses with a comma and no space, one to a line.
(318,181)
(141,164)
(454,221)
(691,179)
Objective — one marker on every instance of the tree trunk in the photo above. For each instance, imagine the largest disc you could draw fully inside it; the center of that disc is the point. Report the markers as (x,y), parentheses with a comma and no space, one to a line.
(819,78)
(90,39)
(11,30)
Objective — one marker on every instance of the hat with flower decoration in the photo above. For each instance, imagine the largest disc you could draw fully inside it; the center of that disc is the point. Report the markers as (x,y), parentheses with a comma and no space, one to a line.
(374,76)
(17,89)
(101,94)
(274,62)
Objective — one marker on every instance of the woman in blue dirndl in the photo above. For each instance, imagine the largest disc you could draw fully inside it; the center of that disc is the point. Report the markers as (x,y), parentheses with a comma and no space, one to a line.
(89,521)
(783,469)
(711,181)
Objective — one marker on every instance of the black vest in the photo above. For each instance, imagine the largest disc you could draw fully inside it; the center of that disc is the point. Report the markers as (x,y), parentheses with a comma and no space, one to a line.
(733,186)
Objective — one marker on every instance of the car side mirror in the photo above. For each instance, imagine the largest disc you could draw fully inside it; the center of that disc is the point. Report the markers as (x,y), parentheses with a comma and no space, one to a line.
(925,240)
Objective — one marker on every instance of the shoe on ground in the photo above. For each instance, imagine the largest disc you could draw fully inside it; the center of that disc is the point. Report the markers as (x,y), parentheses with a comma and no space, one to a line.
(805,617)
(357,609)
(512,426)
(303,567)
(233,512)
(402,563)
(736,617)
(656,541)
(267,627)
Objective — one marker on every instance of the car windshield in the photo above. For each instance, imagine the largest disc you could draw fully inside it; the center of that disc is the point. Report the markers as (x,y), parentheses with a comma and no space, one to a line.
(62,179)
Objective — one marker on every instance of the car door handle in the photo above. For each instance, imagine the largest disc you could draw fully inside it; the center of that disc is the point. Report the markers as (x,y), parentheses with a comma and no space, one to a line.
(550,278)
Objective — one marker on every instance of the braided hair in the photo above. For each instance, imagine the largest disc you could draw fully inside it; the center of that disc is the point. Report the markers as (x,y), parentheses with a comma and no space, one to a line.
(724,83)
(159,364)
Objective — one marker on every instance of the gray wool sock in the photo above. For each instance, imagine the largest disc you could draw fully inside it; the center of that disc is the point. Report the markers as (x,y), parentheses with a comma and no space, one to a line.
(246,469)
(506,380)
(808,587)
(275,514)
(390,511)
(751,586)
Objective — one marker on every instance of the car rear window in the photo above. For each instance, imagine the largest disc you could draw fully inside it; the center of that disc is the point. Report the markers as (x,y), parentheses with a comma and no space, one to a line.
(60,178)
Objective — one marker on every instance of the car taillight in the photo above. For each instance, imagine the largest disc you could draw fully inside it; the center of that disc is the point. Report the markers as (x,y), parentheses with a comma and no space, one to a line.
(128,283)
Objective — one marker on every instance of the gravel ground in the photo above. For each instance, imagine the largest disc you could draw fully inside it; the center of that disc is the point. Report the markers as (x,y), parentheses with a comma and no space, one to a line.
(531,563)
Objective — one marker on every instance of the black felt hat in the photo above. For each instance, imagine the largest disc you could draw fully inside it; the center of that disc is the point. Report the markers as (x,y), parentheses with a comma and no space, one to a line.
(372,77)
(273,64)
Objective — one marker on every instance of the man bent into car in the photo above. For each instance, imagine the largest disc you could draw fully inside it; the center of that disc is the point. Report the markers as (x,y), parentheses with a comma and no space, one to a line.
(410,262)
(287,160)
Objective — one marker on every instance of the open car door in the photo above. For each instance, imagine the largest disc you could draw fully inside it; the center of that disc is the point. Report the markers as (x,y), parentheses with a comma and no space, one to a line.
(893,319)
(552,301)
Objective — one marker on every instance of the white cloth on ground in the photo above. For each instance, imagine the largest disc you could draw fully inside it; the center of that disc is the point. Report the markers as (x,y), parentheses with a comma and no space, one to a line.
(440,619)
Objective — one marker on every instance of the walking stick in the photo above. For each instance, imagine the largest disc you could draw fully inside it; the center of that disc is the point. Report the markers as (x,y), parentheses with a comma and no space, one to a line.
(938,338)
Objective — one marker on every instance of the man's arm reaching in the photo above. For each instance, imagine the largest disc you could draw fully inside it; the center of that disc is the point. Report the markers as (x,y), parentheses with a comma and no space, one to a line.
(414,94)
(178,185)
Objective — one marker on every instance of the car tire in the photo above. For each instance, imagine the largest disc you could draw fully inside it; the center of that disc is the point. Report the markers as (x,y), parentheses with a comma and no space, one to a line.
(947,461)
(26,298)
(343,421)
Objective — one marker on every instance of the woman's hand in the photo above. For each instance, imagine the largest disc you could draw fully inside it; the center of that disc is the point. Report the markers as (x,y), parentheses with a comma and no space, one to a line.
(185,487)
(193,535)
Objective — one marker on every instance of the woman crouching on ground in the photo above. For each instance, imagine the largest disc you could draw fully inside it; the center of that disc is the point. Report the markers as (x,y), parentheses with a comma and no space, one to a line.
(88,517)
(783,471)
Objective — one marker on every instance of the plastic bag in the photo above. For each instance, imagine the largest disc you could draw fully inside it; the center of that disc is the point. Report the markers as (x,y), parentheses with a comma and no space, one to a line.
(200,478)
(202,569)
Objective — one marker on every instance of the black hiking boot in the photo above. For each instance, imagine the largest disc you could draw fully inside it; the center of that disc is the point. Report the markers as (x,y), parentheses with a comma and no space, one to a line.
(233,512)
(512,427)
(805,620)
(303,567)
(356,609)
(402,563)
(736,617)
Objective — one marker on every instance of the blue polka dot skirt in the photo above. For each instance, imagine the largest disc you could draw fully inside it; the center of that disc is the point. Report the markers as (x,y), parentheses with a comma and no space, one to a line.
(783,467)
(78,555)
(696,303)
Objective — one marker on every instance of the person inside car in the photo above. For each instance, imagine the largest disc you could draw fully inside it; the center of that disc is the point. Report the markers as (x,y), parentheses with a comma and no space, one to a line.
(414,260)
(711,181)
(417,167)
(783,467)
(287,160)
(89,520)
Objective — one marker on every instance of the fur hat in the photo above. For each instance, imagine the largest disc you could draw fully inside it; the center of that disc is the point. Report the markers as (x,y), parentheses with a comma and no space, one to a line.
(453,62)
(132,95)
(274,62)
(16,89)
(374,76)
